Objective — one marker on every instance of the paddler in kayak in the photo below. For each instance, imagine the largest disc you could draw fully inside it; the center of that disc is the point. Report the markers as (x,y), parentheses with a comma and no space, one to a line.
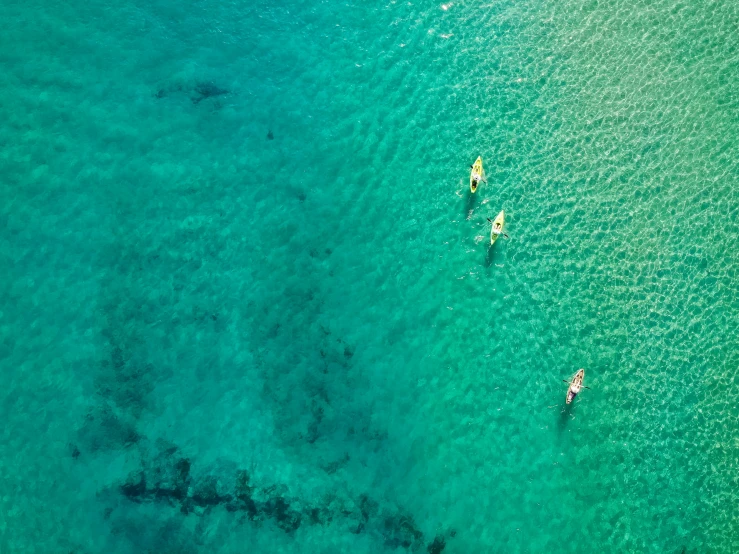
(575,385)
(497,228)
(476,175)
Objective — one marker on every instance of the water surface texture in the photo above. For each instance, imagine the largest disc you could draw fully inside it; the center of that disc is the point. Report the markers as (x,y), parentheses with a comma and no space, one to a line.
(248,303)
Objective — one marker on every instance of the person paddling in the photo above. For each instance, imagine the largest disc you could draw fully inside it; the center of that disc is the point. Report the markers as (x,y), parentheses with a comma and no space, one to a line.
(497,228)
(476,177)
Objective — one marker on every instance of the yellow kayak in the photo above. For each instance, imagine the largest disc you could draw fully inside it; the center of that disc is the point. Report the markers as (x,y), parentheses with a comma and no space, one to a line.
(497,228)
(575,385)
(476,174)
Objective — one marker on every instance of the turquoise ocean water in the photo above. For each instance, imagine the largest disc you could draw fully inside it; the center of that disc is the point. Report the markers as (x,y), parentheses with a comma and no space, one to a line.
(248,303)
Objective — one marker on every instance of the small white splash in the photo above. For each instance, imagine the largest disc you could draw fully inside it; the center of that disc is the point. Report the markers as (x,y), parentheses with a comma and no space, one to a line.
(447,35)
(445,7)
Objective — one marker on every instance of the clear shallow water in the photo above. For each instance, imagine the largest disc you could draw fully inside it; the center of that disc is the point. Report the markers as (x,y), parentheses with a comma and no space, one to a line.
(212,339)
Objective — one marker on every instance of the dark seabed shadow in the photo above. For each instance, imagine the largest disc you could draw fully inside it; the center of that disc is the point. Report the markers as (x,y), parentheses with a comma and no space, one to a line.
(469,204)
(565,414)
(489,254)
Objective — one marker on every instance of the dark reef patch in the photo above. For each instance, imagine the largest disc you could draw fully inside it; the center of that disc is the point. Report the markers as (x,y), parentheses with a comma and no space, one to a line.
(334,466)
(125,379)
(243,496)
(401,530)
(278,508)
(167,477)
(205,90)
(201,90)
(104,429)
(135,487)
(437,547)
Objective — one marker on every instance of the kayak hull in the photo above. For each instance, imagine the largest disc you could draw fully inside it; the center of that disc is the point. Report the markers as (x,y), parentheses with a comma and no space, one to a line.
(476,168)
(577,379)
(500,219)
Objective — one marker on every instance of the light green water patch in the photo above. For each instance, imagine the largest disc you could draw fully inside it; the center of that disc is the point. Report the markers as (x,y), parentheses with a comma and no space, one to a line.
(632,126)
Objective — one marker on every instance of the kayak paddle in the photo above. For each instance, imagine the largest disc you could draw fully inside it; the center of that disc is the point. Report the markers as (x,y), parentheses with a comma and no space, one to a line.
(570,382)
